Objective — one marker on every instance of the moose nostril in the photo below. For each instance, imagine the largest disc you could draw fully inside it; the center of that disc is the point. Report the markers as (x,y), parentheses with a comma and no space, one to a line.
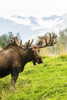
(40,61)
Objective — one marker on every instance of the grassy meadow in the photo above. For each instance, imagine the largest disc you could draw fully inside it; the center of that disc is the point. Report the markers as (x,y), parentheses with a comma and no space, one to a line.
(47,81)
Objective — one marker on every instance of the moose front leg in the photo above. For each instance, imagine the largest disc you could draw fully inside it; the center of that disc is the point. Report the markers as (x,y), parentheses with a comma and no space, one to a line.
(14,76)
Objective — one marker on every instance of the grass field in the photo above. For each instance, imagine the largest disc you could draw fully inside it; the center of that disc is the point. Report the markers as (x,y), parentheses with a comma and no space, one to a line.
(47,81)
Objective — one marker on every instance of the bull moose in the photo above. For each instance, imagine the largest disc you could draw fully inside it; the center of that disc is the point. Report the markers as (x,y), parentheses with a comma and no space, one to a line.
(15,55)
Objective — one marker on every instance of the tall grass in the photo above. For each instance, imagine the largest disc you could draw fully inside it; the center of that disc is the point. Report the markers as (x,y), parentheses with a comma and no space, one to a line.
(47,81)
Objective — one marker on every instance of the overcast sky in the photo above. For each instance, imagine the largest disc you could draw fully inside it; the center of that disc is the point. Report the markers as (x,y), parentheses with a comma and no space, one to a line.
(36,8)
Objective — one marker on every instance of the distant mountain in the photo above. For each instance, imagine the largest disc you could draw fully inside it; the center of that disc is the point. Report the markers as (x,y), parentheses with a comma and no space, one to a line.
(29,27)
(53,17)
(33,20)
(10,26)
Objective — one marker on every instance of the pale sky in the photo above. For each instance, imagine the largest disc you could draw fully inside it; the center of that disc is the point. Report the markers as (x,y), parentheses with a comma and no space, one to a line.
(36,8)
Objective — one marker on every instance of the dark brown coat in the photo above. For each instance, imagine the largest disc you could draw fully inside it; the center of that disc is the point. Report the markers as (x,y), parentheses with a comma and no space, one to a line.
(13,59)
(14,56)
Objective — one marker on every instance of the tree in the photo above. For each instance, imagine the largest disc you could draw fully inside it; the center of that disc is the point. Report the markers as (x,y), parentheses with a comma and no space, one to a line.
(63,40)
(6,38)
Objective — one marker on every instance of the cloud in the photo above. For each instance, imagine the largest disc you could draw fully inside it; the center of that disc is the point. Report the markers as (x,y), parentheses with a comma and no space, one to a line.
(37,8)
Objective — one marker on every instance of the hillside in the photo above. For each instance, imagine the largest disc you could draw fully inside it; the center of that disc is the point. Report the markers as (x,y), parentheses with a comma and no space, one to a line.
(47,81)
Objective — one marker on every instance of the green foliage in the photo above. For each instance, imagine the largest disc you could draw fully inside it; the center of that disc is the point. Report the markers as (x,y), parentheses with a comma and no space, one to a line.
(47,81)
(61,45)
(6,38)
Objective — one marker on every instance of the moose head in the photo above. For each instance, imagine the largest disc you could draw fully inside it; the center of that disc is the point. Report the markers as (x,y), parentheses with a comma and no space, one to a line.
(34,50)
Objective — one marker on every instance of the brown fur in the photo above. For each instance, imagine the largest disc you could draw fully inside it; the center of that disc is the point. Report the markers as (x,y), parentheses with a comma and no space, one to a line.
(13,59)
(14,56)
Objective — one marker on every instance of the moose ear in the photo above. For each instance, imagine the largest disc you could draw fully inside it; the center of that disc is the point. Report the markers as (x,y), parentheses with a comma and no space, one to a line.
(15,41)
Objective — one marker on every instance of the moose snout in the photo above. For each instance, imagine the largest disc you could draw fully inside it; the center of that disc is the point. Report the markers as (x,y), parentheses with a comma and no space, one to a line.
(40,61)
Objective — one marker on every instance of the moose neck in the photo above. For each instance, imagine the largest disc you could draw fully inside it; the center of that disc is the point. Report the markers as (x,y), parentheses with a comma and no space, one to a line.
(27,56)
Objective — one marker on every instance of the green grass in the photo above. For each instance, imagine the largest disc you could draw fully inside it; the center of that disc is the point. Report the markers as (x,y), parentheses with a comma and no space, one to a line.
(47,81)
